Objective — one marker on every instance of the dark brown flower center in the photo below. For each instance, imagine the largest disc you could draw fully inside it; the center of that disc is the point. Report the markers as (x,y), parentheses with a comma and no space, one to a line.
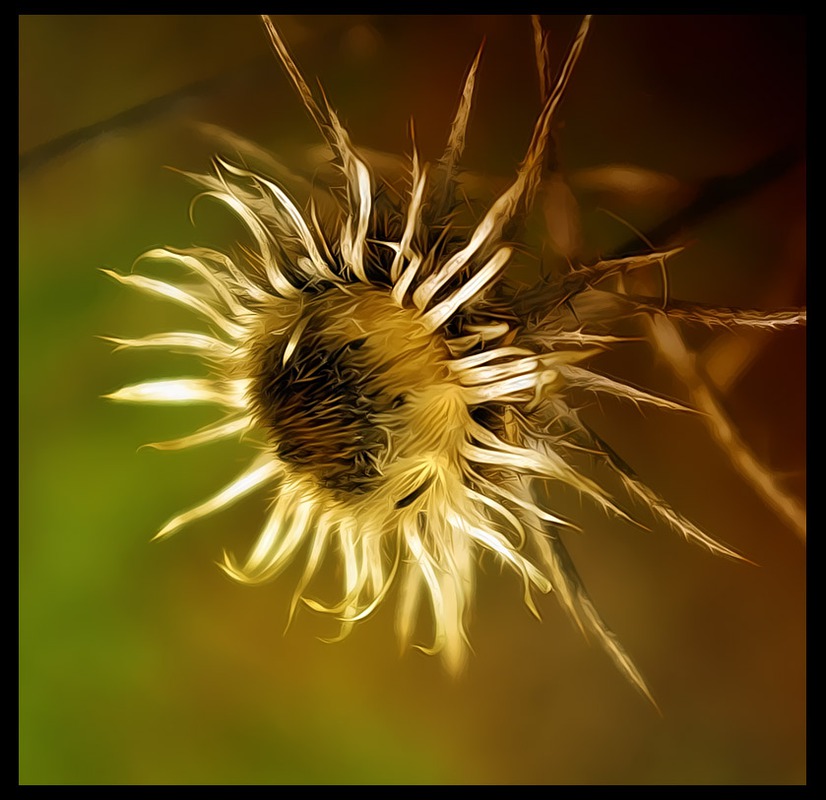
(331,391)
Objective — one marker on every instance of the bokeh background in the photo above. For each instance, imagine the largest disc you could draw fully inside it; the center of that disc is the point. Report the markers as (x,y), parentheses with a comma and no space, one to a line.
(142,663)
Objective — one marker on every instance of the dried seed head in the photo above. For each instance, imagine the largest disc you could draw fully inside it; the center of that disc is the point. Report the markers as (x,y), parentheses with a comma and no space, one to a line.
(413,408)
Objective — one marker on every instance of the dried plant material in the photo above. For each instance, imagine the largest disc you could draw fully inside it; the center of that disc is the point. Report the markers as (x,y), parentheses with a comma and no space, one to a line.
(410,407)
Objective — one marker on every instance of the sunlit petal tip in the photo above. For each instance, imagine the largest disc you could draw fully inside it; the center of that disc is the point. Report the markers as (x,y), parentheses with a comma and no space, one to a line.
(230,568)
(226,560)
(119,343)
(171,527)
(315,605)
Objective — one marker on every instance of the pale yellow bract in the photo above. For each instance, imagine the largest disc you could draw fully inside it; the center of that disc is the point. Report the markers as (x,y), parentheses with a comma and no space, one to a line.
(410,412)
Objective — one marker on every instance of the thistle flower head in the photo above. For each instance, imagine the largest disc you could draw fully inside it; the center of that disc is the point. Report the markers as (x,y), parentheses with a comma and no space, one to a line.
(411,412)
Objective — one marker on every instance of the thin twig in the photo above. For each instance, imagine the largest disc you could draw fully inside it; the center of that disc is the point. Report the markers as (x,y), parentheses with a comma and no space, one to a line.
(666,338)
(148,111)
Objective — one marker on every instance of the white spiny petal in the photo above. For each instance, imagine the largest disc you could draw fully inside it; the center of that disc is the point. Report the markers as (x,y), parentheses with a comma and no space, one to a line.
(585,379)
(185,390)
(263,470)
(198,267)
(182,341)
(262,239)
(177,295)
(212,433)
(411,223)
(437,316)
(302,230)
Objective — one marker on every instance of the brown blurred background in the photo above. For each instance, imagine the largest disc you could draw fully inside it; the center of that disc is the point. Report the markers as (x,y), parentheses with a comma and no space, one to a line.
(142,663)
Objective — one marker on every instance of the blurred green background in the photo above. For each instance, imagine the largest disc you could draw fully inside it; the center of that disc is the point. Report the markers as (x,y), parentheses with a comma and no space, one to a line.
(142,663)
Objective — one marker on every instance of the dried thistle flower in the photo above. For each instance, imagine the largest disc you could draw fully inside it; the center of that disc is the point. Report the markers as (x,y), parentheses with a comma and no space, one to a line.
(410,407)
